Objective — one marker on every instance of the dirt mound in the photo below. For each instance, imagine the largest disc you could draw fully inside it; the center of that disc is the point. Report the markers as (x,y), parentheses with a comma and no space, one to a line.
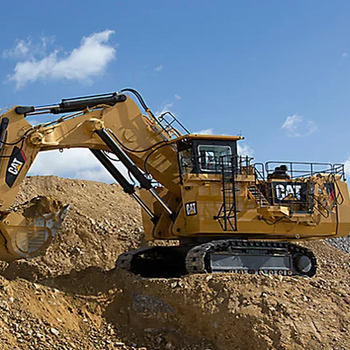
(102,222)
(73,298)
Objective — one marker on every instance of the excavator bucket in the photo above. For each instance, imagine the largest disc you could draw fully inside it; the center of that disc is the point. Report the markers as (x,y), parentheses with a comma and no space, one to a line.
(30,228)
(45,227)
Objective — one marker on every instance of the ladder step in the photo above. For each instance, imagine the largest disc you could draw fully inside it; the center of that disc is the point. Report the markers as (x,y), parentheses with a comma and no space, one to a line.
(227,213)
(258,196)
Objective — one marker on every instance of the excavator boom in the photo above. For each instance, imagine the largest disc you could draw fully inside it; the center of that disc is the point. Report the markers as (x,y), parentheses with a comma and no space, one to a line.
(102,123)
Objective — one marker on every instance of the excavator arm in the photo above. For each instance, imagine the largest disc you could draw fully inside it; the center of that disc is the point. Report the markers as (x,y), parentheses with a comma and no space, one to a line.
(102,123)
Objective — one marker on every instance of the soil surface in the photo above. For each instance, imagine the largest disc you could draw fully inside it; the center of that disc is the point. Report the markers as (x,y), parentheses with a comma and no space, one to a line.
(72,297)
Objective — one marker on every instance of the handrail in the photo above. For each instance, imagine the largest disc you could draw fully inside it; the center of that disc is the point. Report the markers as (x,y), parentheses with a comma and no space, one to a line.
(323,206)
(339,193)
(260,174)
(305,169)
(167,125)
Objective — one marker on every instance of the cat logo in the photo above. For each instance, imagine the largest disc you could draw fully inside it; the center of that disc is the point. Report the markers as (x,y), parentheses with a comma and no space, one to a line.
(15,165)
(191,208)
(289,192)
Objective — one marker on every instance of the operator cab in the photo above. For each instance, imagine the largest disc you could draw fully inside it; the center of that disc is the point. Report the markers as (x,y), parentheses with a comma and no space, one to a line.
(204,154)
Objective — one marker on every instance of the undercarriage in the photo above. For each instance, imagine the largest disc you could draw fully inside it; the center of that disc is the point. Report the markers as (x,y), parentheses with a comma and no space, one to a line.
(219,256)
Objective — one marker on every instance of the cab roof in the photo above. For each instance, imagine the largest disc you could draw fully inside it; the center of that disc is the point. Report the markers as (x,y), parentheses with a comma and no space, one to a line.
(190,137)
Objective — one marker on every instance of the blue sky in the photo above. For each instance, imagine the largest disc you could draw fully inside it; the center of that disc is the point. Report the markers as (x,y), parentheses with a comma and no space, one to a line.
(277,72)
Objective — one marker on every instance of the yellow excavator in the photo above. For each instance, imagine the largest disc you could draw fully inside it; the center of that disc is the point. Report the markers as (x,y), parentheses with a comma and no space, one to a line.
(227,213)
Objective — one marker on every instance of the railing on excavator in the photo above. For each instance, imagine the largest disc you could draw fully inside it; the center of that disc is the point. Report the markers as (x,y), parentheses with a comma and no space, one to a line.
(307,199)
(243,165)
(171,125)
(298,193)
(204,164)
(303,169)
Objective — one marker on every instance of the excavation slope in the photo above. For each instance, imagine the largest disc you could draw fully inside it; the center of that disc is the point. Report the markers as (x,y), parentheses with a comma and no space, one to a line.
(73,298)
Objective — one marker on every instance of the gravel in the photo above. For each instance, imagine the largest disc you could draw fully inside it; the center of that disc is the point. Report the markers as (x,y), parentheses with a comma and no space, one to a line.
(342,243)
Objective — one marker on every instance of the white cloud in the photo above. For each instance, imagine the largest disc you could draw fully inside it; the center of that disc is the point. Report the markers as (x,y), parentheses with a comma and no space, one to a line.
(244,149)
(347,167)
(26,49)
(73,163)
(344,55)
(209,131)
(296,126)
(164,108)
(159,68)
(19,51)
(88,60)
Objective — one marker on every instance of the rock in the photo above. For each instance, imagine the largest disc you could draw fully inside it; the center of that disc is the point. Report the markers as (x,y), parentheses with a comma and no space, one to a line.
(54,331)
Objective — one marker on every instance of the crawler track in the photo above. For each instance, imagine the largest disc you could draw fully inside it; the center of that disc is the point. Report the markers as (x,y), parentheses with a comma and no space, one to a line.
(229,255)
(242,256)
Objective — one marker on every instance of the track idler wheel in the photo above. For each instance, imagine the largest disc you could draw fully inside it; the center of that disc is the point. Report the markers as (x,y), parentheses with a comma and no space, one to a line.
(305,264)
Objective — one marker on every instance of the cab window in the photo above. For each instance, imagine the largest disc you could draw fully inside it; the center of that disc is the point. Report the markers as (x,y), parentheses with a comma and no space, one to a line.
(209,157)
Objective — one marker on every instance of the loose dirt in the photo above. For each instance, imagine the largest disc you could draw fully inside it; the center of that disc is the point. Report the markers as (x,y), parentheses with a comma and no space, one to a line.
(73,298)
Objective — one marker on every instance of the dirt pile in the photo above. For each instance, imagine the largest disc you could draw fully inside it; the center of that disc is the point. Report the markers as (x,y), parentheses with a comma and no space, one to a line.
(102,222)
(73,298)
